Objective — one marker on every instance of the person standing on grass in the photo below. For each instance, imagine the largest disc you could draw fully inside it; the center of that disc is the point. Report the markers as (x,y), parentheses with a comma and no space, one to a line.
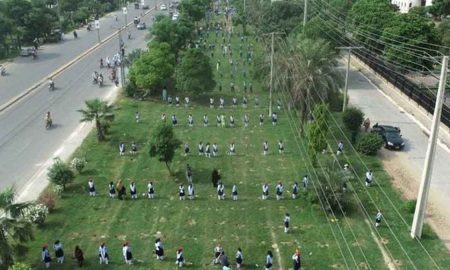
(126,253)
(234,192)
(239,258)
(45,254)
(221,102)
(121,190)
(189,174)
(224,260)
(279,191)
(103,254)
(137,117)
(378,218)
(181,192)
(205,120)
(215,177)
(159,249)
(297,260)
(231,121)
(91,188)
(287,220)
(215,150)
(369,178)
(190,120)
(246,120)
(150,190)
(274,118)
(279,104)
(191,192)
(265,148)
(340,148)
(219,120)
(222,120)
(295,190)
(177,101)
(211,103)
(265,191)
(121,149)
(180,257)
(217,252)
(174,120)
(78,255)
(208,150)
(269,260)
(232,149)
(133,190)
(163,117)
(220,191)
(234,102)
(133,150)
(59,252)
(305,182)
(280,147)
(261,119)
(112,190)
(244,102)
(186,102)
(186,149)
(169,100)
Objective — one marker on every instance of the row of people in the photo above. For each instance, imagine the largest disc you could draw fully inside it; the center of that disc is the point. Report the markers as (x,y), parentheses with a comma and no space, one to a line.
(221,120)
(208,149)
(212,102)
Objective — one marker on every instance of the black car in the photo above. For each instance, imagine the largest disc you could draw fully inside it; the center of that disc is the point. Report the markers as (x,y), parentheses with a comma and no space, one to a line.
(391,136)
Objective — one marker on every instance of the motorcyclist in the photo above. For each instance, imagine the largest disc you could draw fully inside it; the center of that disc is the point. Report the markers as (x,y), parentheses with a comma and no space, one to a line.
(75,35)
(95,77)
(48,120)
(88,27)
(34,53)
(108,63)
(101,62)
(100,79)
(51,84)
(366,124)
(2,70)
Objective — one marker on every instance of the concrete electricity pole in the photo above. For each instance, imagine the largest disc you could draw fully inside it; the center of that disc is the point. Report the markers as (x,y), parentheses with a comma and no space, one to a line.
(271,76)
(344,104)
(305,13)
(419,214)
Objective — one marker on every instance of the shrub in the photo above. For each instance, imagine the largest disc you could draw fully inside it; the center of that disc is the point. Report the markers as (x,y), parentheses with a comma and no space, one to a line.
(409,206)
(369,144)
(20,266)
(353,118)
(58,189)
(48,198)
(59,173)
(131,89)
(35,213)
(78,164)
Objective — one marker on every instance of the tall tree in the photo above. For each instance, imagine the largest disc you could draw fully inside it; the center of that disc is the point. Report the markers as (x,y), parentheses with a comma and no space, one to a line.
(280,16)
(194,73)
(100,113)
(440,8)
(195,10)
(163,144)
(14,230)
(175,33)
(317,132)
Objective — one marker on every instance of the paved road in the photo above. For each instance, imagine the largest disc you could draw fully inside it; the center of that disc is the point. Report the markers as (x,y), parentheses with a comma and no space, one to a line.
(379,109)
(24,142)
(24,72)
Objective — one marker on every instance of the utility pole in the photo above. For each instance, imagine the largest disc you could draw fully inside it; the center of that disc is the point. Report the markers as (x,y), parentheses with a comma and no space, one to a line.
(125,12)
(122,59)
(305,13)
(344,104)
(271,76)
(97,26)
(419,214)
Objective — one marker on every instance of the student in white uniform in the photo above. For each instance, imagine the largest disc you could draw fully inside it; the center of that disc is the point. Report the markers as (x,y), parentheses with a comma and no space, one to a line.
(215,150)
(59,252)
(279,191)
(265,148)
(232,149)
(205,120)
(220,191)
(121,149)
(217,251)
(239,258)
(174,120)
(159,249)
(186,102)
(103,254)
(219,120)
(180,257)
(340,148)
(45,255)
(231,121)
(234,192)
(222,103)
(177,101)
(211,103)
(287,220)
(246,120)
(163,117)
(280,147)
(186,149)
(265,191)
(181,192)
(244,102)
(234,102)
(269,260)
(133,190)
(369,178)
(261,119)
(112,190)
(191,192)
(294,190)
(91,187)
(378,218)
(126,253)
(208,150)
(201,148)
(305,182)
(190,120)
(274,118)
(150,190)
(137,117)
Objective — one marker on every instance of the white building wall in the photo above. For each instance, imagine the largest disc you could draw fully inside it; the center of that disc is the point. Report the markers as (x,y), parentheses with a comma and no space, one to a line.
(406,5)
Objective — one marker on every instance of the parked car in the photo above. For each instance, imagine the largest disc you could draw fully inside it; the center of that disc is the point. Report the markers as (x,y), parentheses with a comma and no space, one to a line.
(163,7)
(55,35)
(145,7)
(391,136)
(141,26)
(175,17)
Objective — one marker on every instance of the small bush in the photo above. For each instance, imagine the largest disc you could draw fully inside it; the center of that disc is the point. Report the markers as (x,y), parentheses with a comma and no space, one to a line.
(409,206)
(58,189)
(36,213)
(78,164)
(369,144)
(131,89)
(60,173)
(20,266)
(48,198)
(335,101)
(353,118)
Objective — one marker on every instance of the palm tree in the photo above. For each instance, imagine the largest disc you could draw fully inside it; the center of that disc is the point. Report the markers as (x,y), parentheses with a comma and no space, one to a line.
(101,113)
(14,230)
(307,68)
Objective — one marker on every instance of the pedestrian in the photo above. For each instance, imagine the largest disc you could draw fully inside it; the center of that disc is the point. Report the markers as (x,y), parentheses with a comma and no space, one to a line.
(181,192)
(169,100)
(265,191)
(190,120)
(279,191)
(133,190)
(163,117)
(234,102)
(295,190)
(261,119)
(220,191)
(265,148)
(221,102)
(244,102)
(205,120)
(180,257)
(369,178)
(121,190)
(191,191)
(78,255)
(159,249)
(59,252)
(224,260)
(150,190)
(45,254)
(231,121)
(215,177)
(91,188)
(305,182)
(186,102)
(280,147)
(287,220)
(297,260)
(217,252)
(201,149)
(219,120)
(103,254)
(133,150)
(211,103)
(279,105)
(340,148)
(222,120)
(215,150)
(232,149)
(177,101)
(269,260)
(189,174)
(137,116)
(234,192)
(186,149)
(121,149)
(239,258)
(246,120)
(174,120)
(366,124)
(112,190)
(378,218)
(126,253)
(274,118)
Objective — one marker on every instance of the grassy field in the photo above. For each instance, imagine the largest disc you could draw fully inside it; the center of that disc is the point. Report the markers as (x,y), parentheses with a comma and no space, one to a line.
(249,223)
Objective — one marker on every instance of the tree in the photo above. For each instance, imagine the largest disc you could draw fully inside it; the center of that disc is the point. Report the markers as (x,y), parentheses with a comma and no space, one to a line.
(280,16)
(369,144)
(194,72)
(20,266)
(410,31)
(444,32)
(164,144)
(175,33)
(153,68)
(317,132)
(316,28)
(14,230)
(440,8)
(369,18)
(101,113)
(353,119)
(60,173)
(195,10)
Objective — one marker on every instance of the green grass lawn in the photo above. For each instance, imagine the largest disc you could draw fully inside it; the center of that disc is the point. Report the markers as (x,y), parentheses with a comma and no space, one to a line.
(250,223)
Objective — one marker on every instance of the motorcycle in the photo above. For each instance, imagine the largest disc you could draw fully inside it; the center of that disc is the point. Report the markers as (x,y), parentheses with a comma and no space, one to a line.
(75,35)
(101,63)
(51,86)
(2,70)
(100,81)
(48,123)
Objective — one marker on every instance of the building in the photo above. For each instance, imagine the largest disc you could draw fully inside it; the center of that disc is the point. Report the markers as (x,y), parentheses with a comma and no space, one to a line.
(405,5)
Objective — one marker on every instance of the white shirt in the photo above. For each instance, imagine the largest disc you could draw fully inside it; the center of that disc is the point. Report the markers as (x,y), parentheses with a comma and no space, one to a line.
(149,186)
(102,251)
(191,189)
(215,149)
(265,188)
(369,176)
(232,147)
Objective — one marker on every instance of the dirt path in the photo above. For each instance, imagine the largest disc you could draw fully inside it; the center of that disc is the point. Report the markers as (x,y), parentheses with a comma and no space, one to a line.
(398,168)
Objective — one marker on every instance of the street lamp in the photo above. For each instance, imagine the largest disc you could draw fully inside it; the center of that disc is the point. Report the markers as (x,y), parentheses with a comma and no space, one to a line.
(97,26)
(125,12)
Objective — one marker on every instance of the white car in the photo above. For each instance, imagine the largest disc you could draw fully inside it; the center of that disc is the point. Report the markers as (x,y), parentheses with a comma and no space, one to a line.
(175,17)
(163,7)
